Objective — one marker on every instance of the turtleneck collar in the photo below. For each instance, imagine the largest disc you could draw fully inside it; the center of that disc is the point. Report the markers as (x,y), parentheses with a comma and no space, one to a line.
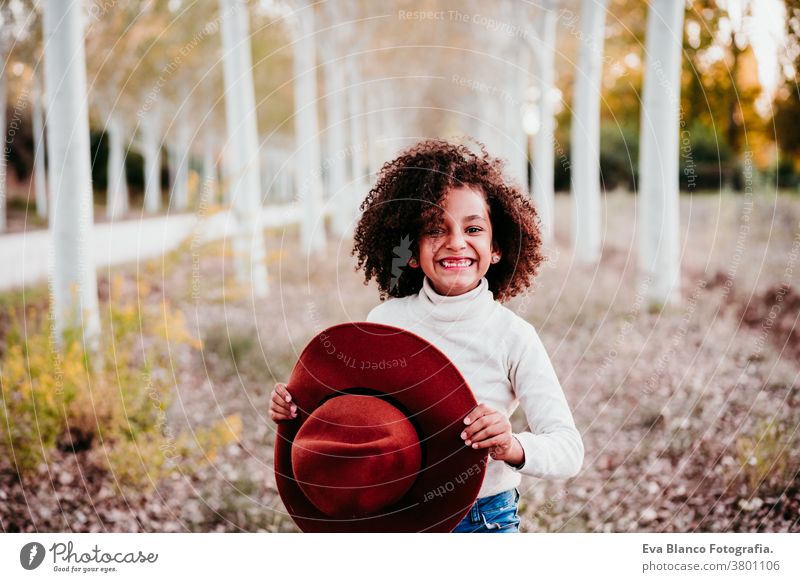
(476,303)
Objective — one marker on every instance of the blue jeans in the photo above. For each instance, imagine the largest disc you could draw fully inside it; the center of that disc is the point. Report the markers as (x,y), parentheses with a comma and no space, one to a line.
(493,514)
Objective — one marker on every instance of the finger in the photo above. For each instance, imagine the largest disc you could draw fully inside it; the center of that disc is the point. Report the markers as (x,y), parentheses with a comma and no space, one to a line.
(487,433)
(499,451)
(477,412)
(496,441)
(280,398)
(285,407)
(279,402)
(480,424)
(283,391)
(279,414)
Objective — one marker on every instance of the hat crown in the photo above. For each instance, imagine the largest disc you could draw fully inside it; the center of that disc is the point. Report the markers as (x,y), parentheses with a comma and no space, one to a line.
(356,455)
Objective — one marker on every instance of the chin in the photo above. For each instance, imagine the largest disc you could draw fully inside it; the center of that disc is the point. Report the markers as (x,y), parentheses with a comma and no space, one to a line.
(455,285)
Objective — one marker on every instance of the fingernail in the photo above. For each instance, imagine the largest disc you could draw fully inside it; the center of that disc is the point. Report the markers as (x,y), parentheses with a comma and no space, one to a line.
(475,446)
(468,442)
(467,420)
(288,399)
(464,435)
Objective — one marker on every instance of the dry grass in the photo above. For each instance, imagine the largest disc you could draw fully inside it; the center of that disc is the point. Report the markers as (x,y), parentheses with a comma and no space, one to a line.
(689,414)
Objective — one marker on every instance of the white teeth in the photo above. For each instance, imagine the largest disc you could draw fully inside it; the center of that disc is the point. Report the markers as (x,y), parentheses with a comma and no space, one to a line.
(464,263)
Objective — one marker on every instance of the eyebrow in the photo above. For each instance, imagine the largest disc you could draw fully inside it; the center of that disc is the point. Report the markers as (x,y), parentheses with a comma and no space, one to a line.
(472,217)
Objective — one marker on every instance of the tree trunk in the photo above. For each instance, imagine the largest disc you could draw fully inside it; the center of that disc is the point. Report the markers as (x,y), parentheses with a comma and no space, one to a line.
(40,183)
(151,146)
(73,279)
(515,103)
(585,134)
(309,181)
(336,159)
(5,148)
(355,104)
(179,160)
(209,187)
(513,75)
(115,197)
(373,135)
(659,228)
(126,200)
(245,183)
(543,157)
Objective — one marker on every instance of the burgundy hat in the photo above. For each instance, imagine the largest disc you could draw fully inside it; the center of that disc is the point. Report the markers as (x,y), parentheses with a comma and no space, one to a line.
(376,444)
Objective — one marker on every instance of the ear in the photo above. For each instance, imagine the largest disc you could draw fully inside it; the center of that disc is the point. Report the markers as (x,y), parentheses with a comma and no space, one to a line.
(497,251)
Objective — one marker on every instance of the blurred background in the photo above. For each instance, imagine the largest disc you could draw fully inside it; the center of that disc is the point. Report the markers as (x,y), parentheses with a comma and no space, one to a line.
(178,189)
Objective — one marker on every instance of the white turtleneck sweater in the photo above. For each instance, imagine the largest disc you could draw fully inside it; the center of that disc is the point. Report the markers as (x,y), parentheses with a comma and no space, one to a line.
(505,364)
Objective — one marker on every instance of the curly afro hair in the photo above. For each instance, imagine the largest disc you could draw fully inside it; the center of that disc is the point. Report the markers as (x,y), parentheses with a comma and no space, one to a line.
(408,196)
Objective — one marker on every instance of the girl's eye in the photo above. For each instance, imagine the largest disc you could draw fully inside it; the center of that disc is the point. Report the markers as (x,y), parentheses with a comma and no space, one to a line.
(438,231)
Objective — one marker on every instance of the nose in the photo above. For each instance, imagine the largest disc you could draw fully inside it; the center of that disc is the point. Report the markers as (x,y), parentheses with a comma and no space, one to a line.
(455,240)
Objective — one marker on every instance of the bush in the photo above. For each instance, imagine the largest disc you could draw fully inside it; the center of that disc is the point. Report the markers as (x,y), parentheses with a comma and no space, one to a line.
(765,456)
(113,403)
(619,156)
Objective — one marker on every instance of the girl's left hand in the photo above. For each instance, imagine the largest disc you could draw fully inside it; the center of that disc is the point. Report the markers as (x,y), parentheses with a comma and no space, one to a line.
(488,428)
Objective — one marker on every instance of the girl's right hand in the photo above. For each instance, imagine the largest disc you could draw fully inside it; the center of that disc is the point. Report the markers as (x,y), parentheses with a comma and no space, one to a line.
(281,406)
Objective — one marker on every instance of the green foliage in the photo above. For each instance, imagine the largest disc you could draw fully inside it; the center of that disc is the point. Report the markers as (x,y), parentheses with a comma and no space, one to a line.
(765,456)
(113,403)
(619,156)
(237,349)
(134,163)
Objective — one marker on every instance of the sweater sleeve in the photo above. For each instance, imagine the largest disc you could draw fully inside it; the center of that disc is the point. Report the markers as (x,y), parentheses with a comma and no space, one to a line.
(553,447)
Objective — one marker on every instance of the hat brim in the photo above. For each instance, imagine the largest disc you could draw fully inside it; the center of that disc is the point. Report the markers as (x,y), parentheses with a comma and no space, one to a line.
(404,368)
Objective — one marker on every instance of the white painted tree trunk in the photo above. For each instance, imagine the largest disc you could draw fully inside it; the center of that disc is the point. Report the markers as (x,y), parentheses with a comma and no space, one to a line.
(115,192)
(209,186)
(658,225)
(126,201)
(245,183)
(508,101)
(73,280)
(151,150)
(40,182)
(179,160)
(309,180)
(226,174)
(384,122)
(486,133)
(585,135)
(4,150)
(516,103)
(543,156)
(392,129)
(336,160)
(358,144)
(373,135)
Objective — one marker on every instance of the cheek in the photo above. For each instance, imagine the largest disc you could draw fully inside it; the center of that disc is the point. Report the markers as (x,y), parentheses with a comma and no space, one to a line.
(426,250)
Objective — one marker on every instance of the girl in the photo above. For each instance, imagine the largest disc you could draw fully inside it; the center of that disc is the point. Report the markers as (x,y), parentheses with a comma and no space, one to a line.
(449,239)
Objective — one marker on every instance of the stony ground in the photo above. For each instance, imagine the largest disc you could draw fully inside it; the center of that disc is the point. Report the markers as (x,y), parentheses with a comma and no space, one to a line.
(689,414)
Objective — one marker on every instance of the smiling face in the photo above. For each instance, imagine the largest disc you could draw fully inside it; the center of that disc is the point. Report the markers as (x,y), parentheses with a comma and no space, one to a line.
(456,253)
